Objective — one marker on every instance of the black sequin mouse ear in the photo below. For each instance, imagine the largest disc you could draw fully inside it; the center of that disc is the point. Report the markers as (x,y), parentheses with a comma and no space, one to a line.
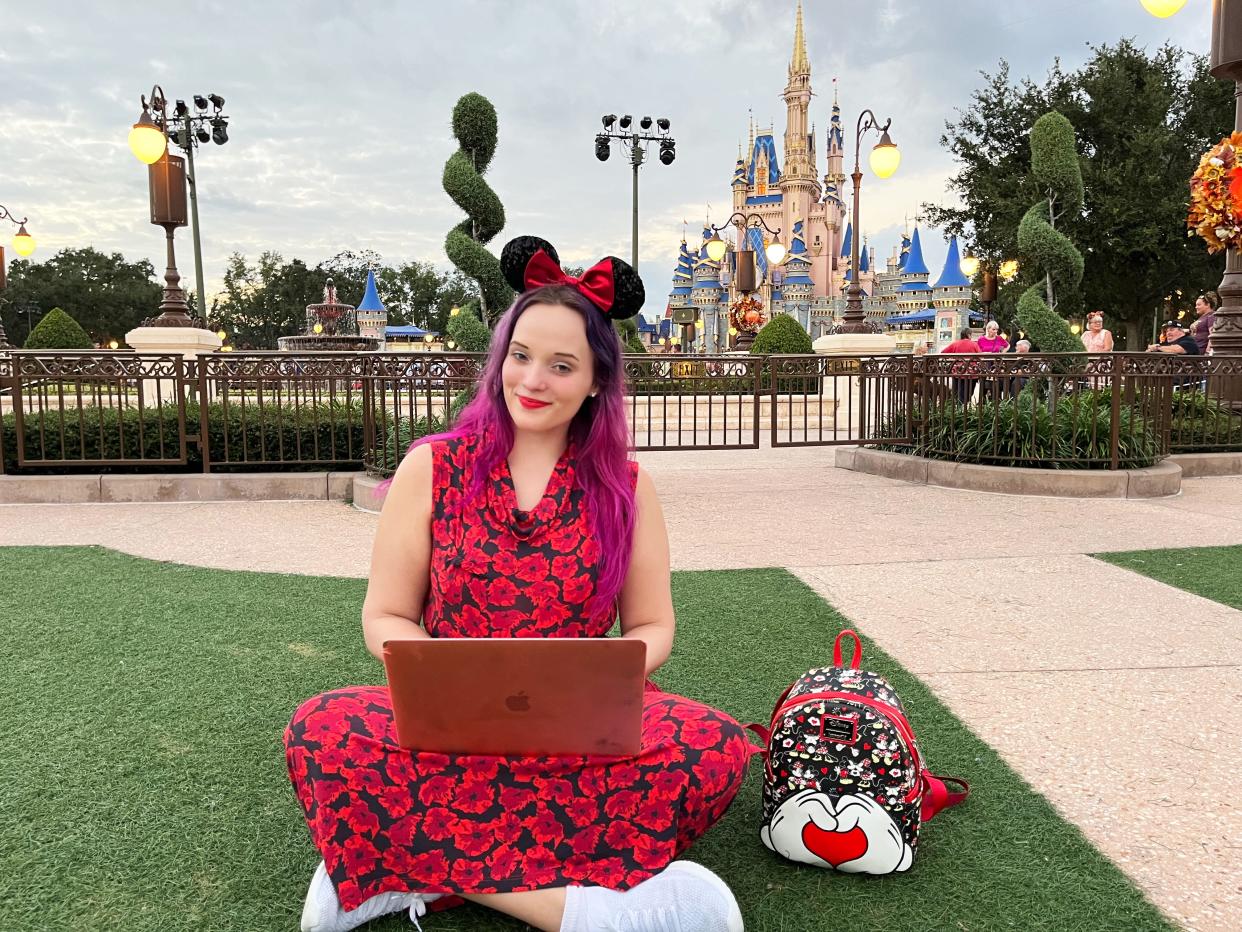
(629,293)
(516,255)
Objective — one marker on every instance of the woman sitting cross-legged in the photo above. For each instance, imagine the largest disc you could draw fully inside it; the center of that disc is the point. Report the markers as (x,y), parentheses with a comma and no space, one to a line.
(528,519)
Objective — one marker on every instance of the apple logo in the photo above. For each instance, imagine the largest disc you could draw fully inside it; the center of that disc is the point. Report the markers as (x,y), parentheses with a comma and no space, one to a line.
(518,703)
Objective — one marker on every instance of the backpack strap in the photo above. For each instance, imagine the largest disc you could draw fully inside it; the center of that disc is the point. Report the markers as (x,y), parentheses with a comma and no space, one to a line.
(937,795)
(856,660)
(765,736)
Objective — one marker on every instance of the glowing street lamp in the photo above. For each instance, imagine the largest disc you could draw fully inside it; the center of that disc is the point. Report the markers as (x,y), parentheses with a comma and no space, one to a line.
(1163,9)
(1008,269)
(970,265)
(885,158)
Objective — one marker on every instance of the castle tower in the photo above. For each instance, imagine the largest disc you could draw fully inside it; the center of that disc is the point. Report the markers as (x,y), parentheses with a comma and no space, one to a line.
(371,313)
(798,185)
(914,292)
(739,182)
(708,297)
(798,289)
(951,293)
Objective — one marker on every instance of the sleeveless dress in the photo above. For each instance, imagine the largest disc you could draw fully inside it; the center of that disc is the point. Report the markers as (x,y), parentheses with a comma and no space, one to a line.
(388,819)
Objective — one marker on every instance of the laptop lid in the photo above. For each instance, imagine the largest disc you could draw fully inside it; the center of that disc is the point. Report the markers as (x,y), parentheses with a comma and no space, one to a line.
(518,696)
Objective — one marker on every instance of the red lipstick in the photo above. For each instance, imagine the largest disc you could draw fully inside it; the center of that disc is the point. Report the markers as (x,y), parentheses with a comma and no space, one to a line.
(532,403)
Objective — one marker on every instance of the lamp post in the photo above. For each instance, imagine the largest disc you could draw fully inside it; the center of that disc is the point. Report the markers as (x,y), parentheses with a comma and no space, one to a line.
(148,139)
(1004,270)
(1226,63)
(885,158)
(23,245)
(633,139)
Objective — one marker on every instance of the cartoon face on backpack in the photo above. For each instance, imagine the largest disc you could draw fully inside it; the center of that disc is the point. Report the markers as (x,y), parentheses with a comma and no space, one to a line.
(855,834)
(846,787)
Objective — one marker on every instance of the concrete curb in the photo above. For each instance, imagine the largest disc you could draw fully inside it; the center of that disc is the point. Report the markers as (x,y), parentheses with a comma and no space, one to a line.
(1196,465)
(194,487)
(1163,479)
(366,497)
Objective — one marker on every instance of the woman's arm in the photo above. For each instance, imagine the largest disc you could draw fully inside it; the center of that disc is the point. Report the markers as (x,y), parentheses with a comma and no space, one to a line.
(647,596)
(401,556)
(1108,341)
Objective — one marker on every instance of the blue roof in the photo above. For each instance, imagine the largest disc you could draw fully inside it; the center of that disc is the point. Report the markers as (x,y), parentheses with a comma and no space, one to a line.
(914,286)
(834,132)
(952,276)
(754,240)
(864,261)
(847,244)
(798,278)
(776,295)
(406,331)
(370,298)
(925,315)
(764,199)
(765,144)
(739,172)
(905,253)
(914,261)
(797,245)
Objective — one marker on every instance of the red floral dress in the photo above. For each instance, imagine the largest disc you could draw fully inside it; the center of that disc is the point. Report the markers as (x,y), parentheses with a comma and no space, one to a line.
(385,818)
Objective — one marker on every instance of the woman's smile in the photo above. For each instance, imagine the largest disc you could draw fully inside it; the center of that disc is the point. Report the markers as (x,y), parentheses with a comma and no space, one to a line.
(532,403)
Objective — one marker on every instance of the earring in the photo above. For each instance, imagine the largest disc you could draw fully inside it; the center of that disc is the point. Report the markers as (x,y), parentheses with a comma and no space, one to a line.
(593,394)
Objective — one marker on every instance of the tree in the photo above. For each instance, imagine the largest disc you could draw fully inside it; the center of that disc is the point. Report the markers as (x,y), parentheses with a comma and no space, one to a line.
(468,332)
(475,126)
(1142,120)
(107,295)
(57,330)
(1054,166)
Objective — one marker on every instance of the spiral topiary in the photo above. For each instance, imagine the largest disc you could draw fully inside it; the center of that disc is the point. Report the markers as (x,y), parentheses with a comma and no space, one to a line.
(474,125)
(1054,163)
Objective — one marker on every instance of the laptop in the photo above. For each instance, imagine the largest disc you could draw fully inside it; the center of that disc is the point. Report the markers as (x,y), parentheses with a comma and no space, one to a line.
(518,696)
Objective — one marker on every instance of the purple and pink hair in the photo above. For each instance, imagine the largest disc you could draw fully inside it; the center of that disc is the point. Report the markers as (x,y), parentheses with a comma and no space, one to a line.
(599,430)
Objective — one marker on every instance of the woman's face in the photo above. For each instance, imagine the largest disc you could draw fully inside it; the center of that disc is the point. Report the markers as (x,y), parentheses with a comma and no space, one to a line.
(1202,307)
(1095,323)
(549,369)
(992,329)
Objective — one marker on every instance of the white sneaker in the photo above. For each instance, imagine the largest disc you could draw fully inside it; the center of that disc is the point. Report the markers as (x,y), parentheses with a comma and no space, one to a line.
(322,911)
(684,897)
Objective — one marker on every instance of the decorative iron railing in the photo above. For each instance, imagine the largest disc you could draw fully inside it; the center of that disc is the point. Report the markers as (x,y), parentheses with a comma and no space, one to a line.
(114,411)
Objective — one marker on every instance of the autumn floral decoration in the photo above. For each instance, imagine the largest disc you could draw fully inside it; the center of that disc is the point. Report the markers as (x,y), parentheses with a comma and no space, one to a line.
(1216,196)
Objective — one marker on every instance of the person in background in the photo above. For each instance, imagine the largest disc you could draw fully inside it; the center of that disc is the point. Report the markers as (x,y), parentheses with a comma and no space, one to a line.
(1205,310)
(963,386)
(992,341)
(920,348)
(1176,341)
(1022,346)
(1095,339)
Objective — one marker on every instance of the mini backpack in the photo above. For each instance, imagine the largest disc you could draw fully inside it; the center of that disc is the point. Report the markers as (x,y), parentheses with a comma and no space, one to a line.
(846,787)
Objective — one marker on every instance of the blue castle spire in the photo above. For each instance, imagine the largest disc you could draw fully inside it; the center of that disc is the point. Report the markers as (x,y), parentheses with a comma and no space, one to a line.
(914,259)
(370,298)
(952,275)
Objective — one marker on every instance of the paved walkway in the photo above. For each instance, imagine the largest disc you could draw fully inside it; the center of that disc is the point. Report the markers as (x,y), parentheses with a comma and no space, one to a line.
(1115,696)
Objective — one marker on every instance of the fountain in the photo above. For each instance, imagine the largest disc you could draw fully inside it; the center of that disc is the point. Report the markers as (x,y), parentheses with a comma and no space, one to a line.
(329,326)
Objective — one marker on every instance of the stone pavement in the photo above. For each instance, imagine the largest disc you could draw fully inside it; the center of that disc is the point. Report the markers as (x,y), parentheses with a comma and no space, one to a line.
(1115,696)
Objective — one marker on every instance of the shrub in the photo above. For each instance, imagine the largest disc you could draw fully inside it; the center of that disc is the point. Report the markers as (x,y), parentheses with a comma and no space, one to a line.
(1025,432)
(391,450)
(468,332)
(57,330)
(784,335)
(1200,423)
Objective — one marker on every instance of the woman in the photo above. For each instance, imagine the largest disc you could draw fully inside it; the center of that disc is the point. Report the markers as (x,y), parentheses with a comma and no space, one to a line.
(1095,339)
(527,520)
(992,341)
(1206,306)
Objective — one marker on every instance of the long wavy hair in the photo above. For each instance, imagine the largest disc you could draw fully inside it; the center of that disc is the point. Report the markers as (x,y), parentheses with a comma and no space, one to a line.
(598,429)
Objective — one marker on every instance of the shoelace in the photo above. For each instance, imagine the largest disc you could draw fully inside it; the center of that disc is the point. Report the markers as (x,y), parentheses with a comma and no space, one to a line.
(417,908)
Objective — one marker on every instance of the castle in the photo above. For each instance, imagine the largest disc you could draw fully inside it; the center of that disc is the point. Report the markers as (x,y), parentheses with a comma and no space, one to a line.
(809,210)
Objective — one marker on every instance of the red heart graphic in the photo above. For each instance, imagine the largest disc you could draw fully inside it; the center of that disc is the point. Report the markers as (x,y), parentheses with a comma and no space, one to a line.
(834,847)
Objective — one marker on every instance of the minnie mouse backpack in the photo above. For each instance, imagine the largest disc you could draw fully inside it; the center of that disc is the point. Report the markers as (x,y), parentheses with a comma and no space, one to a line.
(845,784)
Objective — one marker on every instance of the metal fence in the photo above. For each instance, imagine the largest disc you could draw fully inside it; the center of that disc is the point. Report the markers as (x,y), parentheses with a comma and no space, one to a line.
(92,411)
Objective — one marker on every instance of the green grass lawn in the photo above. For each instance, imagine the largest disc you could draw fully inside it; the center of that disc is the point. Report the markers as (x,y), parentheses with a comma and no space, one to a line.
(1212,572)
(143,784)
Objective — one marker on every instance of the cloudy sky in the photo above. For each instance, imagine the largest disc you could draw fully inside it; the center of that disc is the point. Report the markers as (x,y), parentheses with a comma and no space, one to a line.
(340,111)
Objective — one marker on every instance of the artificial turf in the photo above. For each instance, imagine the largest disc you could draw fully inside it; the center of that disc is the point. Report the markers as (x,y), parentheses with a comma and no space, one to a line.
(143,785)
(1212,572)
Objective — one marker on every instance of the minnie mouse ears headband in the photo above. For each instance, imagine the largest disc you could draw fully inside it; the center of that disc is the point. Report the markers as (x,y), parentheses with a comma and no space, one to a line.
(611,284)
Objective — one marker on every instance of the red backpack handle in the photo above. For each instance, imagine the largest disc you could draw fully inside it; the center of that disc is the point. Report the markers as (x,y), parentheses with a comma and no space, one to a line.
(856,660)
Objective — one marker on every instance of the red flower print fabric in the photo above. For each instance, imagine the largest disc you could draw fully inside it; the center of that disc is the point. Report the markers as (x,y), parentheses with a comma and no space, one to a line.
(385,818)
